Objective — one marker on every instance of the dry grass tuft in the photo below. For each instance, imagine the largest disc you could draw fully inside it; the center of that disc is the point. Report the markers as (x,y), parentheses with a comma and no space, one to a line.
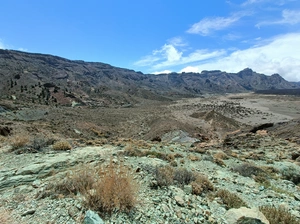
(105,189)
(220,155)
(115,190)
(201,184)
(62,145)
(77,180)
(278,215)
(230,200)
(19,141)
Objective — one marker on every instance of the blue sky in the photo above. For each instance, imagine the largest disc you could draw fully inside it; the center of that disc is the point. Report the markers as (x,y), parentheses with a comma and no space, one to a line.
(160,35)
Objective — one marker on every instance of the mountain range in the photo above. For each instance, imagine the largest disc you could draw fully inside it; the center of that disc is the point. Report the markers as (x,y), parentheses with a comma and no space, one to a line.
(47,79)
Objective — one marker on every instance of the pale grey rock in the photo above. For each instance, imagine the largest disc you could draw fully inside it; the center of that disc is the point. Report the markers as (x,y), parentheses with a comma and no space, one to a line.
(232,215)
(92,218)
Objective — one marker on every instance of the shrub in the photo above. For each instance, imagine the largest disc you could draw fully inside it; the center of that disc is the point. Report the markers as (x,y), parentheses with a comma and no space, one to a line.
(40,142)
(77,180)
(62,145)
(230,200)
(183,177)
(220,155)
(19,141)
(278,215)
(201,184)
(115,190)
(164,176)
(291,173)
(247,170)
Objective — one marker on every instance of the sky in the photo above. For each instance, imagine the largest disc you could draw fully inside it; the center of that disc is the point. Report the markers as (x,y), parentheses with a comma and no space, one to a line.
(160,36)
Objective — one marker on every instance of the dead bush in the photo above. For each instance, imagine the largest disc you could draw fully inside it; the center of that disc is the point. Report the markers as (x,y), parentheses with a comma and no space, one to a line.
(230,200)
(62,145)
(115,190)
(278,215)
(183,176)
(164,176)
(201,184)
(80,179)
(220,155)
(19,141)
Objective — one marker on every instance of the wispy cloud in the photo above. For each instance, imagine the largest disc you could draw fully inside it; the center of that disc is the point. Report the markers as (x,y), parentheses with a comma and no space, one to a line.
(208,25)
(177,41)
(251,2)
(290,17)
(2,46)
(170,55)
(280,54)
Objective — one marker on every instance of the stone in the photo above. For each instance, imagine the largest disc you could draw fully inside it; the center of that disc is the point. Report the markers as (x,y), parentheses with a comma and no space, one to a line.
(233,215)
(92,218)
(29,212)
(179,200)
(187,189)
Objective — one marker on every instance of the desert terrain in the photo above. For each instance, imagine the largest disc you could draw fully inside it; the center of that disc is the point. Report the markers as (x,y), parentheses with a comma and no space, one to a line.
(184,155)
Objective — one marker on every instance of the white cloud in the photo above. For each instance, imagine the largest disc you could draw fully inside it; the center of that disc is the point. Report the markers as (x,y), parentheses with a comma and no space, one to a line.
(279,55)
(291,17)
(177,41)
(250,2)
(190,69)
(146,61)
(169,55)
(162,72)
(207,25)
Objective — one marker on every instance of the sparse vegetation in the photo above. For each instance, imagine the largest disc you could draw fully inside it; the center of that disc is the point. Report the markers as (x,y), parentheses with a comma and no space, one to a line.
(247,170)
(164,176)
(291,173)
(115,190)
(276,215)
(62,145)
(230,200)
(167,175)
(201,184)
(183,176)
(18,141)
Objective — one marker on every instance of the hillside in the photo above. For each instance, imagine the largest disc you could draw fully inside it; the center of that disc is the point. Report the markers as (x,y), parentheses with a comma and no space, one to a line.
(47,79)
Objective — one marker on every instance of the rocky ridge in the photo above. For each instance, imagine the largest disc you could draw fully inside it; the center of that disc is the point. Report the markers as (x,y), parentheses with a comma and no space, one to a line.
(47,79)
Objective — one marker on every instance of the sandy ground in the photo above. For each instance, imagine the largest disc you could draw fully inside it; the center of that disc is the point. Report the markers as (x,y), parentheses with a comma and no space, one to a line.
(259,108)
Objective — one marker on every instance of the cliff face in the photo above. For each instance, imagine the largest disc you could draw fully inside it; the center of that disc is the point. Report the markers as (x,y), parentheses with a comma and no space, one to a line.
(50,79)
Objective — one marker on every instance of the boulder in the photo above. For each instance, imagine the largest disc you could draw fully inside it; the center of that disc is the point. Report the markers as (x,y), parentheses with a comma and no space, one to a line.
(232,216)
